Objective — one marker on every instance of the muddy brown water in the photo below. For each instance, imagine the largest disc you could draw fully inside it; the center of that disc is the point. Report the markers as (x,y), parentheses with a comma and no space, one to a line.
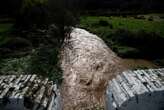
(138,64)
(88,64)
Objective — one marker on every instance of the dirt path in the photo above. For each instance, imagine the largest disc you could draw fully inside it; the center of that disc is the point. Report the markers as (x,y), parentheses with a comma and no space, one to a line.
(87,65)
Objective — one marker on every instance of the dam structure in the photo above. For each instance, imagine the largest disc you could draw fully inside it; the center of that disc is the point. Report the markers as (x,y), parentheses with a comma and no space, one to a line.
(131,90)
(136,90)
(28,92)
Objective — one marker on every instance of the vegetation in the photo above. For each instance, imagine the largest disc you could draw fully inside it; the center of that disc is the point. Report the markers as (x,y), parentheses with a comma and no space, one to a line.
(35,30)
(30,43)
(14,65)
(128,36)
(32,32)
(41,61)
(44,61)
(129,23)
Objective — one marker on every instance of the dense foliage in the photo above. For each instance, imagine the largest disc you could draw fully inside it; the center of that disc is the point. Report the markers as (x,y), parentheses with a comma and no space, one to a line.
(36,32)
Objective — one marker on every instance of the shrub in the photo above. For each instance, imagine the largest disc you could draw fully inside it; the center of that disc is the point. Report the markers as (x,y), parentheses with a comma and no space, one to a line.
(44,61)
(151,18)
(14,65)
(110,25)
(122,36)
(103,23)
(161,16)
(149,44)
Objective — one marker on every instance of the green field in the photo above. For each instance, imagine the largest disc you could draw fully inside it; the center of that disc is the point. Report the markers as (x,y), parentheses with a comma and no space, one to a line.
(129,37)
(92,23)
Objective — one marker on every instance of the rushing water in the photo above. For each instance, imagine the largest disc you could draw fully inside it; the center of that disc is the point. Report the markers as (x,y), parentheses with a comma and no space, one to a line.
(88,64)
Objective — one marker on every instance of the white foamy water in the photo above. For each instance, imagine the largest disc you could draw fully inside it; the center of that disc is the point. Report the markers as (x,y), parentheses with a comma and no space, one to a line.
(87,64)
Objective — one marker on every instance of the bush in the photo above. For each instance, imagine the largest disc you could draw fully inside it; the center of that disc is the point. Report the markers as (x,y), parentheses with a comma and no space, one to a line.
(44,61)
(149,44)
(14,65)
(151,18)
(103,23)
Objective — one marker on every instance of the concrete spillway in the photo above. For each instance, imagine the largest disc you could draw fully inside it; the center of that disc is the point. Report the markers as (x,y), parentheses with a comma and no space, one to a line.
(132,90)
(136,90)
(28,92)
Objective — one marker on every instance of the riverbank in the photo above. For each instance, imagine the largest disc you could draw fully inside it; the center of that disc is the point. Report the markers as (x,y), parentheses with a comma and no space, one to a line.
(137,39)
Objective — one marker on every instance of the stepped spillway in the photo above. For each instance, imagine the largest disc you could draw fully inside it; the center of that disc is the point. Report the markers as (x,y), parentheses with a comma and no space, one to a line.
(137,90)
(27,92)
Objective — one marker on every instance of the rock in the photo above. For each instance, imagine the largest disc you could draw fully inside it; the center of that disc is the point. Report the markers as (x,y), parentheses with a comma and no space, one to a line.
(136,90)
(87,65)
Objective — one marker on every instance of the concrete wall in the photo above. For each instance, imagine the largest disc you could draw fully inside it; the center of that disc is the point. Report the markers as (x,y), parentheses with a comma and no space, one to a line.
(137,90)
(28,92)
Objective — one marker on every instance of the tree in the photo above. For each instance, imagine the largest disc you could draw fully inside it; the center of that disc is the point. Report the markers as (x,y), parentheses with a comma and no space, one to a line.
(61,15)
(32,14)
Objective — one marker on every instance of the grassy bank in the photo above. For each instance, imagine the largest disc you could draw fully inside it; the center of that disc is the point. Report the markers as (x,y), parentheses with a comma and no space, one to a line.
(94,24)
(28,54)
(125,34)
(129,37)
(42,61)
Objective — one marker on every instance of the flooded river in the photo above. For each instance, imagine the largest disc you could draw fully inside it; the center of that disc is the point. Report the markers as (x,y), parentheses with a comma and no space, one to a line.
(138,64)
(88,64)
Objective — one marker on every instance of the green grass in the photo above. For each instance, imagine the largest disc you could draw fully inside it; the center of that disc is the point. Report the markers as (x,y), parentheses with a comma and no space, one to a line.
(41,61)
(120,32)
(14,65)
(89,22)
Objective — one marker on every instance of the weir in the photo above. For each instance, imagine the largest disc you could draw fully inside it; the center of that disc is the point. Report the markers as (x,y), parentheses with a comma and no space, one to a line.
(131,90)
(28,92)
(136,90)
